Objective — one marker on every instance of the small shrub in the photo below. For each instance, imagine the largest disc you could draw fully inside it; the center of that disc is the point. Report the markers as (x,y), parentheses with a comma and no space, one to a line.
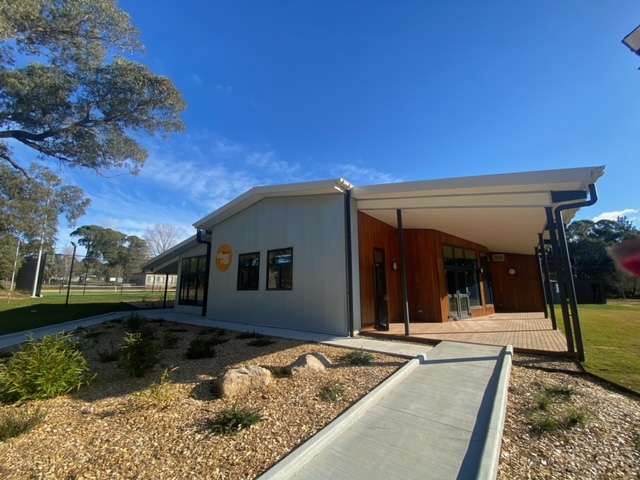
(134,323)
(43,369)
(15,423)
(245,335)
(357,358)
(332,392)
(161,393)
(260,342)
(110,354)
(200,348)
(4,355)
(217,341)
(138,354)
(543,422)
(559,391)
(573,418)
(233,420)
(542,401)
(169,340)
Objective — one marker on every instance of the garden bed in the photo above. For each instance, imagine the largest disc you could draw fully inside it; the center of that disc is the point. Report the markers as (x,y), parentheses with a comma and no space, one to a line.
(567,425)
(120,426)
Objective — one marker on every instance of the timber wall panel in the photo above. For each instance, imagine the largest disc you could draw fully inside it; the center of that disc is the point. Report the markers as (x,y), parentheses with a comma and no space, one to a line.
(521,292)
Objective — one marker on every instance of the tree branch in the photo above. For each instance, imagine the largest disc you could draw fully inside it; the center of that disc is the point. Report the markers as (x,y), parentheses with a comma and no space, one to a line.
(15,165)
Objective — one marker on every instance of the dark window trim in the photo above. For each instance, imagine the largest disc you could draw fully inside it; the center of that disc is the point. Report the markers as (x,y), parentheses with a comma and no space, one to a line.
(267,269)
(184,289)
(238,279)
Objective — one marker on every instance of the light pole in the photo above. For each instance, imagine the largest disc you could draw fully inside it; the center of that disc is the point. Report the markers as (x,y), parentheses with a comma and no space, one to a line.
(15,267)
(632,41)
(73,258)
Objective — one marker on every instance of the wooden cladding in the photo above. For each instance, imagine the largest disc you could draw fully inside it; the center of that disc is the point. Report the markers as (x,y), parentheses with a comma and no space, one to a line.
(373,234)
(426,280)
(516,283)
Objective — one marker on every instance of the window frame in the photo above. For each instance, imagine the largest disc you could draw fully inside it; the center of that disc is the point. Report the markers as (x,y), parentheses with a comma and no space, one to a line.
(269,268)
(192,281)
(242,289)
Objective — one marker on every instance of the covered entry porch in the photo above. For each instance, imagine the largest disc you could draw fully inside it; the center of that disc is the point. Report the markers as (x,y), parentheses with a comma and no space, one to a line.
(472,259)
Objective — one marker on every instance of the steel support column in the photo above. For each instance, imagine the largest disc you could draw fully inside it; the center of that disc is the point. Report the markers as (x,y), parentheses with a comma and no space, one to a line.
(560,275)
(403,273)
(547,280)
(570,285)
(166,285)
(537,254)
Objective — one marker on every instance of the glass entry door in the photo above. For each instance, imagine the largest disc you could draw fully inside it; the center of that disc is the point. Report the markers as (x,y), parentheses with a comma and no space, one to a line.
(463,289)
(458,294)
(380,290)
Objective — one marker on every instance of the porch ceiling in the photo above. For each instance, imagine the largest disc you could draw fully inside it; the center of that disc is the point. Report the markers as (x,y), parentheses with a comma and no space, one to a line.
(503,212)
(506,229)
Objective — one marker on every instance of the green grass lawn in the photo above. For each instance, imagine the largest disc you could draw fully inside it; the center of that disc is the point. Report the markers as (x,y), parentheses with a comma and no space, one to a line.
(26,313)
(612,341)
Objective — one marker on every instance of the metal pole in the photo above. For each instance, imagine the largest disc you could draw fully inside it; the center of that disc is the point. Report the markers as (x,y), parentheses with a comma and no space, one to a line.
(36,277)
(571,286)
(403,273)
(15,267)
(166,285)
(348,259)
(542,284)
(73,258)
(561,280)
(547,281)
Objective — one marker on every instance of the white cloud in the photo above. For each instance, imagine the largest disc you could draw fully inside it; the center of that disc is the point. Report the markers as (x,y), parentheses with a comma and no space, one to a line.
(228,89)
(631,213)
(197,79)
(362,175)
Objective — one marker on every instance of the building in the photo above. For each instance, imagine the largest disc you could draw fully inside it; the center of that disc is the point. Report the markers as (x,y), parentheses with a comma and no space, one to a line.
(333,258)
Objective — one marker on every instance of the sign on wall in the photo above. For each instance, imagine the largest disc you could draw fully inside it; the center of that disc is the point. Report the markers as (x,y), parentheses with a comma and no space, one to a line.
(224,255)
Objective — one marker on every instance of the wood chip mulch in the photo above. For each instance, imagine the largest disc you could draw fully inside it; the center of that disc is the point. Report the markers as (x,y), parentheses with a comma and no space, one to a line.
(110,430)
(606,446)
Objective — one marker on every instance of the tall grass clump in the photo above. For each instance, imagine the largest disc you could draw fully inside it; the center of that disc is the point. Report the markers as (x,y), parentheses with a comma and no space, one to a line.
(43,369)
(15,423)
(138,354)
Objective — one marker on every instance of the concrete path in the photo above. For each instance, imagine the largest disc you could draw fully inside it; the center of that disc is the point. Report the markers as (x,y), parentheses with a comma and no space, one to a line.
(16,338)
(443,419)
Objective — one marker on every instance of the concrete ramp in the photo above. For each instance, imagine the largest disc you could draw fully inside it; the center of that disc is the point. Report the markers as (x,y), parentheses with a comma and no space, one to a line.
(438,418)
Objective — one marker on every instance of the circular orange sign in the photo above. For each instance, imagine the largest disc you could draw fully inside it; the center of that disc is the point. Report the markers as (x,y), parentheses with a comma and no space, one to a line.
(224,254)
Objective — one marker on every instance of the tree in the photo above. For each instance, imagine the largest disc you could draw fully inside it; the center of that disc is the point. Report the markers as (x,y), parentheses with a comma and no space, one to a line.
(589,243)
(30,208)
(78,102)
(111,250)
(161,237)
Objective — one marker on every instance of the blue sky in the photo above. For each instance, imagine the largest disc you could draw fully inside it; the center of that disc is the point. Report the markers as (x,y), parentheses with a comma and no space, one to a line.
(377,92)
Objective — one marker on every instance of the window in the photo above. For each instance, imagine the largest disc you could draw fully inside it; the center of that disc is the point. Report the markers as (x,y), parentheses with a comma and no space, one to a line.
(248,271)
(280,269)
(193,280)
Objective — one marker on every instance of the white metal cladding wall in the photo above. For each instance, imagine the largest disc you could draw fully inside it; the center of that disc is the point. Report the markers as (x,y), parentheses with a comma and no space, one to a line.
(314,227)
(200,249)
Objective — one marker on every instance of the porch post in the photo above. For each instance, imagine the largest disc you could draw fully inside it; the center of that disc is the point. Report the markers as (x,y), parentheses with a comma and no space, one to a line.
(561,280)
(547,280)
(542,284)
(166,284)
(571,286)
(403,273)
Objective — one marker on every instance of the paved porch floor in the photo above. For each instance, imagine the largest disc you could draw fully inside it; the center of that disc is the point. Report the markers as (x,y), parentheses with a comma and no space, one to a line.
(525,331)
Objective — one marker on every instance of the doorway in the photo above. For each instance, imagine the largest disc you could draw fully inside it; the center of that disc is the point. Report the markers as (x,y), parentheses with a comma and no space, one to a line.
(381,298)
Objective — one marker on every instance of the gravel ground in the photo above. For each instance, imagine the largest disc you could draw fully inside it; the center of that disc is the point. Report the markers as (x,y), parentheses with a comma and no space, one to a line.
(111,430)
(607,445)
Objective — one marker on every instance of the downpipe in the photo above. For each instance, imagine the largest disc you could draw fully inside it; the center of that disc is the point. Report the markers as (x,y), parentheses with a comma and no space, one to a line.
(564,246)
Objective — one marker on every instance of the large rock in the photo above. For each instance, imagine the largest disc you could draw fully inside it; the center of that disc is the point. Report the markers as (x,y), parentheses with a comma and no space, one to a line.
(237,382)
(310,362)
